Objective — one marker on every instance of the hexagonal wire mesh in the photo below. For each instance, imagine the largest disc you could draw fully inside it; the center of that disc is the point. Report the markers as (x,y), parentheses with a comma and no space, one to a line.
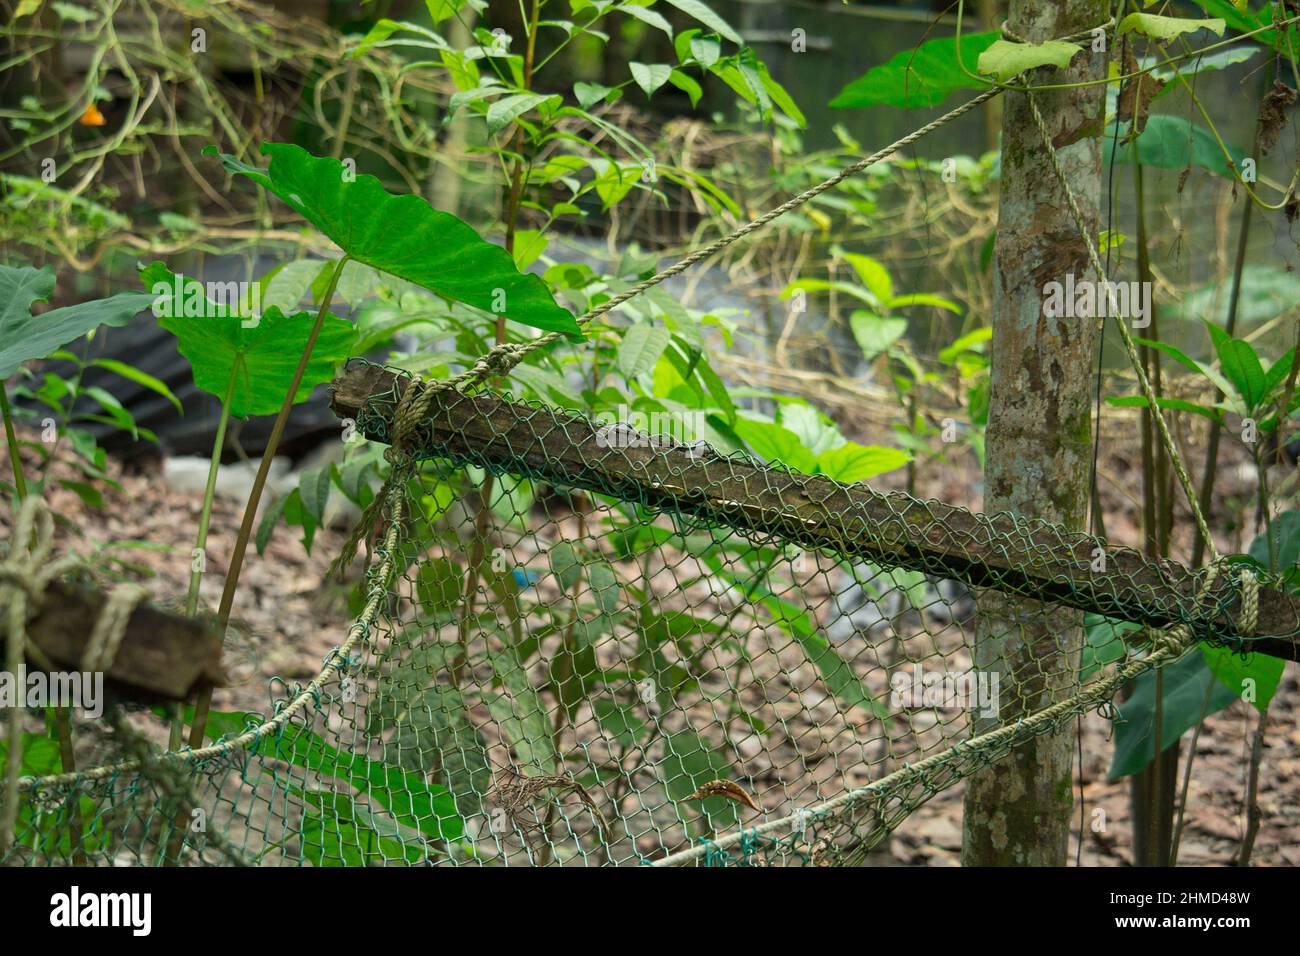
(585,645)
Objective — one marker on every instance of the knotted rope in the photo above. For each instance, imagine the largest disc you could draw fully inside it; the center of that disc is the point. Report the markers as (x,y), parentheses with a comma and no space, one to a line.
(25,574)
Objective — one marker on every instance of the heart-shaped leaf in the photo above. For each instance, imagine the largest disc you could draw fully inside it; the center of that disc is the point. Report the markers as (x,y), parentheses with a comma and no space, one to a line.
(1183,704)
(589,94)
(925,76)
(1173,142)
(650,77)
(404,236)
(874,333)
(262,356)
(24,336)
(853,462)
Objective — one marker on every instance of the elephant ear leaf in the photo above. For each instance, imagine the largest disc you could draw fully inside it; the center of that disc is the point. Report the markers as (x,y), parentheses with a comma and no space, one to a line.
(252,359)
(24,336)
(404,236)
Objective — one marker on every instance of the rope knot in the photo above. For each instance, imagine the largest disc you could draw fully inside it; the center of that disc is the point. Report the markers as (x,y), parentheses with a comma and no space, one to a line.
(501,359)
(1171,642)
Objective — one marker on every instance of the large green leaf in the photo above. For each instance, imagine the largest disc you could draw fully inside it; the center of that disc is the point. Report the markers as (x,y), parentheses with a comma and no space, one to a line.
(1286,532)
(1005,59)
(24,336)
(874,275)
(337,830)
(1104,643)
(925,76)
(641,347)
(775,442)
(438,585)
(1253,677)
(423,806)
(404,236)
(430,731)
(619,723)
(1173,142)
(705,15)
(1167,28)
(853,462)
(1237,16)
(262,357)
(1185,684)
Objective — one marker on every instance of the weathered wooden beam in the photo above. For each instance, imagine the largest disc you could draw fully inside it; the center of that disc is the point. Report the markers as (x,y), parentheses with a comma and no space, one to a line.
(999,551)
(162,655)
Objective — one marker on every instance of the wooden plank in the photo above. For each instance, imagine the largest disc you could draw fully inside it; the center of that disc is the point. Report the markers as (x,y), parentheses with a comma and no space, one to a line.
(162,655)
(1028,558)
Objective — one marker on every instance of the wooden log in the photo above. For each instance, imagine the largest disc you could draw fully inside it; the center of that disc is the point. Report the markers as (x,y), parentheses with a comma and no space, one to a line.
(1001,551)
(163,656)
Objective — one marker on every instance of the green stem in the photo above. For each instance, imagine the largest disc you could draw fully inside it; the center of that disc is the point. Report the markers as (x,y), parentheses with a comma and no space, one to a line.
(58,722)
(209,494)
(1212,448)
(255,496)
(1154,785)
(1265,508)
(20,484)
(201,541)
(1253,812)
(1187,774)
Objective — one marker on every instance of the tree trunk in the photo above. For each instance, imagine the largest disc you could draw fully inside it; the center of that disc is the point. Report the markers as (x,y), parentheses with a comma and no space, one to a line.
(1018,812)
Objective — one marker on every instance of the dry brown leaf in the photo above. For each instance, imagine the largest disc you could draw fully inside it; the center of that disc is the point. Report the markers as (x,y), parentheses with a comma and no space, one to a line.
(1272,114)
(726,789)
(1136,95)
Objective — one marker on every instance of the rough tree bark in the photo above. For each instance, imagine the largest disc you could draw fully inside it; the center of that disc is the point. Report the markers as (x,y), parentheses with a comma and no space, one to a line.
(1018,812)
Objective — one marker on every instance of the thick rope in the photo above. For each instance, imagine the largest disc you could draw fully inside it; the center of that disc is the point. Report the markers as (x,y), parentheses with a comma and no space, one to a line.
(25,573)
(110,628)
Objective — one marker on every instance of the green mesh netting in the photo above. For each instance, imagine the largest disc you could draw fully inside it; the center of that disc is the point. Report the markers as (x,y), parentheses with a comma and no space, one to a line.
(581,646)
